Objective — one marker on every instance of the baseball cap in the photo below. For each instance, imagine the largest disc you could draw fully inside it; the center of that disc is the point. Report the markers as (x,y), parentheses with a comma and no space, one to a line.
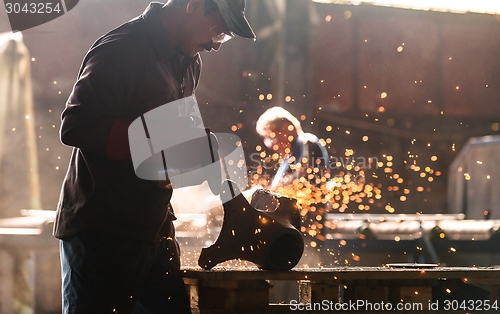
(233,14)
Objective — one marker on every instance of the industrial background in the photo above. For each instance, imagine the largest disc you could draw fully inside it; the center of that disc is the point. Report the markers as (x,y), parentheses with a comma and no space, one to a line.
(415,90)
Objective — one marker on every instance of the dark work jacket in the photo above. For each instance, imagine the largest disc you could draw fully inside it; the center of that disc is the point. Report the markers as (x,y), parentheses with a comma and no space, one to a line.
(127,72)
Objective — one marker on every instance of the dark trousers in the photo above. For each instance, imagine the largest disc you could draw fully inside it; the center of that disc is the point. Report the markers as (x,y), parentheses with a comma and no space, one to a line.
(111,274)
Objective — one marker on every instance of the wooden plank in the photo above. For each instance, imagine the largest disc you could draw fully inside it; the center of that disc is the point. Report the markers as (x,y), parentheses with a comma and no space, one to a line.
(232,296)
(419,294)
(477,281)
(495,292)
(192,289)
(237,291)
(305,291)
(371,291)
(236,284)
(347,273)
(408,282)
(393,294)
(318,291)
(190,281)
(233,300)
(413,292)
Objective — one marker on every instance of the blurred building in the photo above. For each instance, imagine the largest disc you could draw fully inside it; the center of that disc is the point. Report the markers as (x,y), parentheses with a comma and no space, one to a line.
(474,179)
(19,177)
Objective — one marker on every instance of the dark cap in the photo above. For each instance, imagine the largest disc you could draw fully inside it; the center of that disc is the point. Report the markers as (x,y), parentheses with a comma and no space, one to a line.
(233,13)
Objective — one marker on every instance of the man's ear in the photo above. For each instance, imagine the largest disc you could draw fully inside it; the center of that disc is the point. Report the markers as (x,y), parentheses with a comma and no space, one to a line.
(194,5)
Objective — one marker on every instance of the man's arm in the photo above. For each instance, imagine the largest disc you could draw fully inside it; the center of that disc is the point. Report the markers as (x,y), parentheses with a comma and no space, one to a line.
(97,133)
(94,116)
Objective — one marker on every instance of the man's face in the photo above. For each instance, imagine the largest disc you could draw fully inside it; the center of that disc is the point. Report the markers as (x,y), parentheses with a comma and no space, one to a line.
(279,137)
(198,33)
